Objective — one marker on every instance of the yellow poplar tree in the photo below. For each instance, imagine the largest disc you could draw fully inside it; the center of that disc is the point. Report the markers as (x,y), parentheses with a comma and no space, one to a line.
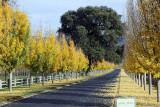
(35,56)
(51,53)
(81,59)
(150,21)
(48,54)
(13,44)
(72,59)
(143,36)
(65,56)
(56,65)
(86,63)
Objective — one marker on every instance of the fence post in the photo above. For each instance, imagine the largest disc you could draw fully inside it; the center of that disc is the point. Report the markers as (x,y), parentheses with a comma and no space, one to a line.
(47,78)
(0,84)
(40,79)
(31,80)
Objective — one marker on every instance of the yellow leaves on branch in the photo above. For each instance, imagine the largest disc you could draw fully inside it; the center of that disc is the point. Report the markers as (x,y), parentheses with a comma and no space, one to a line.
(68,57)
(58,58)
(10,50)
(22,24)
(44,52)
(82,61)
(14,32)
(100,66)
(65,55)
(142,47)
(72,62)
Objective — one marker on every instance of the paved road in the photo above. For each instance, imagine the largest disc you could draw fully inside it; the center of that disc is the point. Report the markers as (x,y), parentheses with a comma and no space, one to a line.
(80,95)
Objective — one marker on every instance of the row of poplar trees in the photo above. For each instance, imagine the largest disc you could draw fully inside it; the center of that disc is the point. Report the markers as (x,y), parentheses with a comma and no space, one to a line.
(142,41)
(39,53)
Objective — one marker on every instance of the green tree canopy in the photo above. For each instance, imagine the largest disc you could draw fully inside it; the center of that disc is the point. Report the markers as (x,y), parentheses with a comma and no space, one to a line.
(96,30)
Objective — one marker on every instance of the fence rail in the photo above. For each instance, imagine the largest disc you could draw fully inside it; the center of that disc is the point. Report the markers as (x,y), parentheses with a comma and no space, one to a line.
(34,80)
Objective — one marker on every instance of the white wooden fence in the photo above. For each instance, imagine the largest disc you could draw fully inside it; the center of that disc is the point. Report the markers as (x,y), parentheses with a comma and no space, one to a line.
(34,80)
(21,82)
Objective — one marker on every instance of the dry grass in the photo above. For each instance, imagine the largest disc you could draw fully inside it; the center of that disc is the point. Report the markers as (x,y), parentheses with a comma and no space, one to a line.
(128,88)
(24,91)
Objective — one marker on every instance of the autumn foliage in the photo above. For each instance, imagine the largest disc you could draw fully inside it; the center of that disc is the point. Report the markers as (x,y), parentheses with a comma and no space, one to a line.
(38,52)
(142,36)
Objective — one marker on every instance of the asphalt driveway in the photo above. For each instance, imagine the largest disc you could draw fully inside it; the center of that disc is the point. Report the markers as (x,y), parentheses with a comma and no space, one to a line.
(80,95)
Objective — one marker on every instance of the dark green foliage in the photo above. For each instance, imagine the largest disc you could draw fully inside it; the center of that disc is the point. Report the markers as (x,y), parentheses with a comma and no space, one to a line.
(96,30)
(120,50)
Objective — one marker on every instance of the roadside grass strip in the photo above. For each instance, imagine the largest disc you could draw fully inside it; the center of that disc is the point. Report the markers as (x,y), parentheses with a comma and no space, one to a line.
(128,88)
(23,92)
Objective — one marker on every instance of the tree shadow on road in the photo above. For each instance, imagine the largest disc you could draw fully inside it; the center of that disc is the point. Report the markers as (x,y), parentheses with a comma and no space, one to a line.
(81,94)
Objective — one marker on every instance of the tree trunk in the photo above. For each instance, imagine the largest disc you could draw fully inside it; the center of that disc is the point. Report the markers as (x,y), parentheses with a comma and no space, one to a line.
(52,78)
(10,81)
(141,80)
(129,74)
(77,74)
(60,76)
(66,75)
(30,81)
(42,78)
(72,75)
(36,78)
(138,79)
(89,68)
(14,74)
(158,90)
(5,76)
(150,84)
(4,1)
(55,76)
(145,86)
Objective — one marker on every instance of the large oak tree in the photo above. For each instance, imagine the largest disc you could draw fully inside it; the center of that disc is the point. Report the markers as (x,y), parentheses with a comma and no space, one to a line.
(96,30)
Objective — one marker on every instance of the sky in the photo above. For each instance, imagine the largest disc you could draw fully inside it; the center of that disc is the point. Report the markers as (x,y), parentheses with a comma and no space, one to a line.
(48,12)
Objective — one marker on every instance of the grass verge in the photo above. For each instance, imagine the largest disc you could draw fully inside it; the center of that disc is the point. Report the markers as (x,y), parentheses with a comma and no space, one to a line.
(22,92)
(128,88)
